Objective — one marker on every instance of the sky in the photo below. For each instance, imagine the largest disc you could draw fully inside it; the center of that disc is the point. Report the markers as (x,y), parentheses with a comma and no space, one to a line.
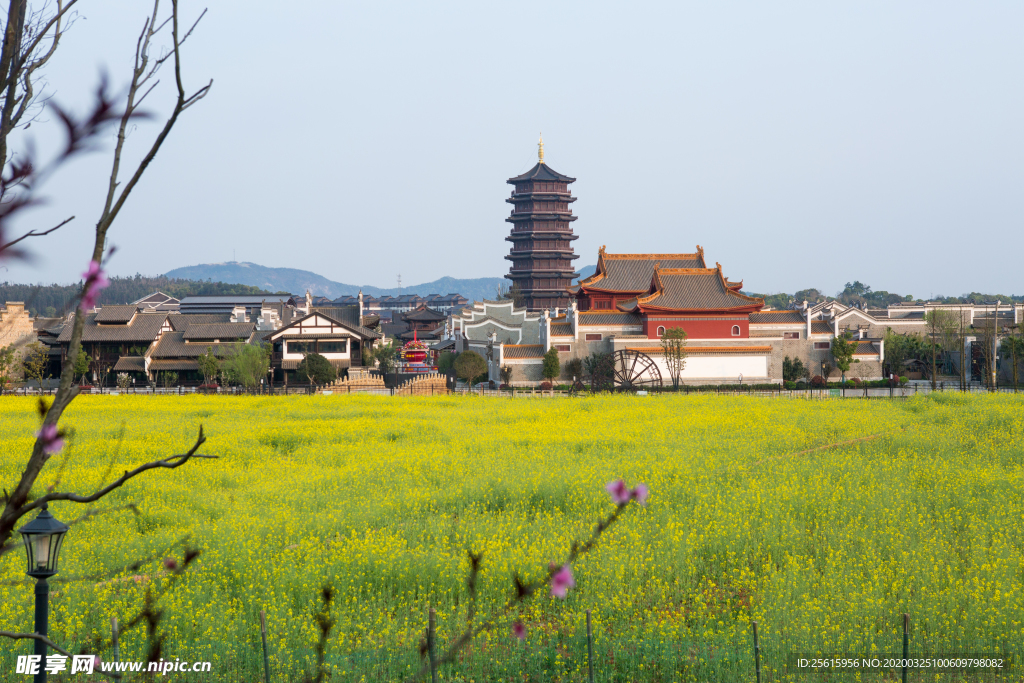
(802,144)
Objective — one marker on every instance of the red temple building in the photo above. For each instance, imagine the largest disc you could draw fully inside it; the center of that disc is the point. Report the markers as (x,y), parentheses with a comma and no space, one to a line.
(661,291)
(542,236)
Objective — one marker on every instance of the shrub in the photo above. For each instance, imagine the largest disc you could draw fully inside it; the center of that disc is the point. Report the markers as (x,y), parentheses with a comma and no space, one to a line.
(856,380)
(469,366)
(545,386)
(904,379)
(817,381)
(446,362)
(574,368)
(317,369)
(789,385)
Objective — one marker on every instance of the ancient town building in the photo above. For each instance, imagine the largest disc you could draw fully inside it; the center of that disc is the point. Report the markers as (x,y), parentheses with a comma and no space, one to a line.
(542,236)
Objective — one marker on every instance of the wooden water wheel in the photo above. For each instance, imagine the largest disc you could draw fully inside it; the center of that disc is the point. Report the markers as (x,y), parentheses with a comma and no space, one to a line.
(635,370)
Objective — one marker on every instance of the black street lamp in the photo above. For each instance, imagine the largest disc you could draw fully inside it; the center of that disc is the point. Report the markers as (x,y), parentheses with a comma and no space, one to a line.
(43,537)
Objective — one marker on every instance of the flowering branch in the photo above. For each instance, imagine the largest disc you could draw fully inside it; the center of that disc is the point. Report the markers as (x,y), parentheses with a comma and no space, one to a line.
(558,577)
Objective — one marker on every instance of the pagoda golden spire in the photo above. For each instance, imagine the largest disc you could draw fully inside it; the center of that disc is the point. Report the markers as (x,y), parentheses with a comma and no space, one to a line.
(540,149)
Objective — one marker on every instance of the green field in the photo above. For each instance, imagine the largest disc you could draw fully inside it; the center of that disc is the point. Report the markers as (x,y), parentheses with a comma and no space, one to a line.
(748,518)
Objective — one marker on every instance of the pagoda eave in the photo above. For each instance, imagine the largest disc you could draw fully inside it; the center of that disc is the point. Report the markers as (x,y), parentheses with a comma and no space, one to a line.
(518,218)
(519,198)
(530,235)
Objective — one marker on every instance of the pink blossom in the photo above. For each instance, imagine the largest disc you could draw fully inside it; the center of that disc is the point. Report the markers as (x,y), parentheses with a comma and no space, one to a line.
(170,563)
(95,280)
(52,440)
(639,493)
(618,491)
(519,630)
(562,581)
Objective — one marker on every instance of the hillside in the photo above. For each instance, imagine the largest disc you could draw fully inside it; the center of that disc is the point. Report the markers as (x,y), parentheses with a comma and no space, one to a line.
(298,281)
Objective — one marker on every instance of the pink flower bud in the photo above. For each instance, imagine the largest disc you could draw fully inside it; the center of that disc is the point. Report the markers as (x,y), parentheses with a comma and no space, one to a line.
(618,491)
(640,493)
(170,563)
(562,581)
(519,630)
(51,438)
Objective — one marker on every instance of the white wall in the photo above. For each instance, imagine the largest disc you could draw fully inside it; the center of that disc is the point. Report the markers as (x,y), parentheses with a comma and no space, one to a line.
(718,367)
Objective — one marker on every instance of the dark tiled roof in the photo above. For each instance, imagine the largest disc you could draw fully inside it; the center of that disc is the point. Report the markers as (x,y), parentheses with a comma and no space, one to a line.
(173,365)
(181,321)
(241,300)
(393,329)
(445,344)
(633,272)
(115,314)
(706,350)
(520,351)
(866,348)
(426,314)
(173,345)
(778,317)
(608,318)
(343,314)
(694,289)
(130,364)
(144,328)
(541,171)
(422,334)
(46,324)
(219,331)
(821,327)
(561,330)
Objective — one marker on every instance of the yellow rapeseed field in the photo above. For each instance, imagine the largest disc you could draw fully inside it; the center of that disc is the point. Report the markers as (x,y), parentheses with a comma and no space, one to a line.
(747,519)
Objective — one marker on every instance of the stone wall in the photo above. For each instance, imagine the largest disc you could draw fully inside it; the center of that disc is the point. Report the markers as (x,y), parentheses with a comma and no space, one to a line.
(16,330)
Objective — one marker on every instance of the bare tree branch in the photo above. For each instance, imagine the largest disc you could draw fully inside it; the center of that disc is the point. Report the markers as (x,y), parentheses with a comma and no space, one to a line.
(33,233)
(173,462)
(35,636)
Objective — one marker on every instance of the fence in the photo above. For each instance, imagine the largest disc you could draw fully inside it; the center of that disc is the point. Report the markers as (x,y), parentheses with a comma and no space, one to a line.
(589,655)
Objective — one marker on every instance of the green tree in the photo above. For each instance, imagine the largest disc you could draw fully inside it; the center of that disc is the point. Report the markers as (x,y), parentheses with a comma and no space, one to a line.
(209,365)
(1013,349)
(673,346)
(7,365)
(82,364)
(387,357)
(470,365)
(940,324)
(247,364)
(168,379)
(317,369)
(506,375)
(792,369)
(35,361)
(446,361)
(551,365)
(600,370)
(843,348)
(574,368)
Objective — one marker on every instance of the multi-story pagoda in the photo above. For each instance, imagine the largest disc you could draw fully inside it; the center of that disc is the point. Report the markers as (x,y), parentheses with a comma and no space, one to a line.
(542,236)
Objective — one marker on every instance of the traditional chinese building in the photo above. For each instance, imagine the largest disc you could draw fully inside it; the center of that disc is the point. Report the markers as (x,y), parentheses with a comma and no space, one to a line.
(542,236)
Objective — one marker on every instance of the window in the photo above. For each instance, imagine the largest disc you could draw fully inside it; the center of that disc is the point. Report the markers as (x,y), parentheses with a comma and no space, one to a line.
(300,347)
(790,335)
(821,346)
(735,330)
(661,331)
(334,346)
(606,305)
(561,347)
(593,337)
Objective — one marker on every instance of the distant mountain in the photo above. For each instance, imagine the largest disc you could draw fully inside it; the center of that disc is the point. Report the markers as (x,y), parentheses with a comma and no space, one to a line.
(585,272)
(298,281)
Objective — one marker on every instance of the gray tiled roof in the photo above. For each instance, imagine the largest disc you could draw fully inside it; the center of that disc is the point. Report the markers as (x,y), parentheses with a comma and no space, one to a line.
(182,320)
(130,364)
(695,289)
(561,330)
(821,327)
(173,345)
(633,272)
(144,328)
(115,314)
(173,364)
(519,351)
(778,317)
(608,318)
(219,331)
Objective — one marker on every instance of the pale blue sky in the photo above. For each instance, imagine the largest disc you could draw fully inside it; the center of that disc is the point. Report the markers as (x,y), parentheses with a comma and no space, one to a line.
(802,144)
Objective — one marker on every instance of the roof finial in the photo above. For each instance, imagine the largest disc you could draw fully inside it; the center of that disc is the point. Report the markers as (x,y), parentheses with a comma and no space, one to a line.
(540,149)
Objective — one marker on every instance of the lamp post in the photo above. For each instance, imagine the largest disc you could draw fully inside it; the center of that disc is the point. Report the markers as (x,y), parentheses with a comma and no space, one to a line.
(43,537)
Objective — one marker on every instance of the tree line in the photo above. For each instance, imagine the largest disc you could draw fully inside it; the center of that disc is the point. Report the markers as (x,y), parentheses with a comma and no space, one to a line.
(56,300)
(858,294)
